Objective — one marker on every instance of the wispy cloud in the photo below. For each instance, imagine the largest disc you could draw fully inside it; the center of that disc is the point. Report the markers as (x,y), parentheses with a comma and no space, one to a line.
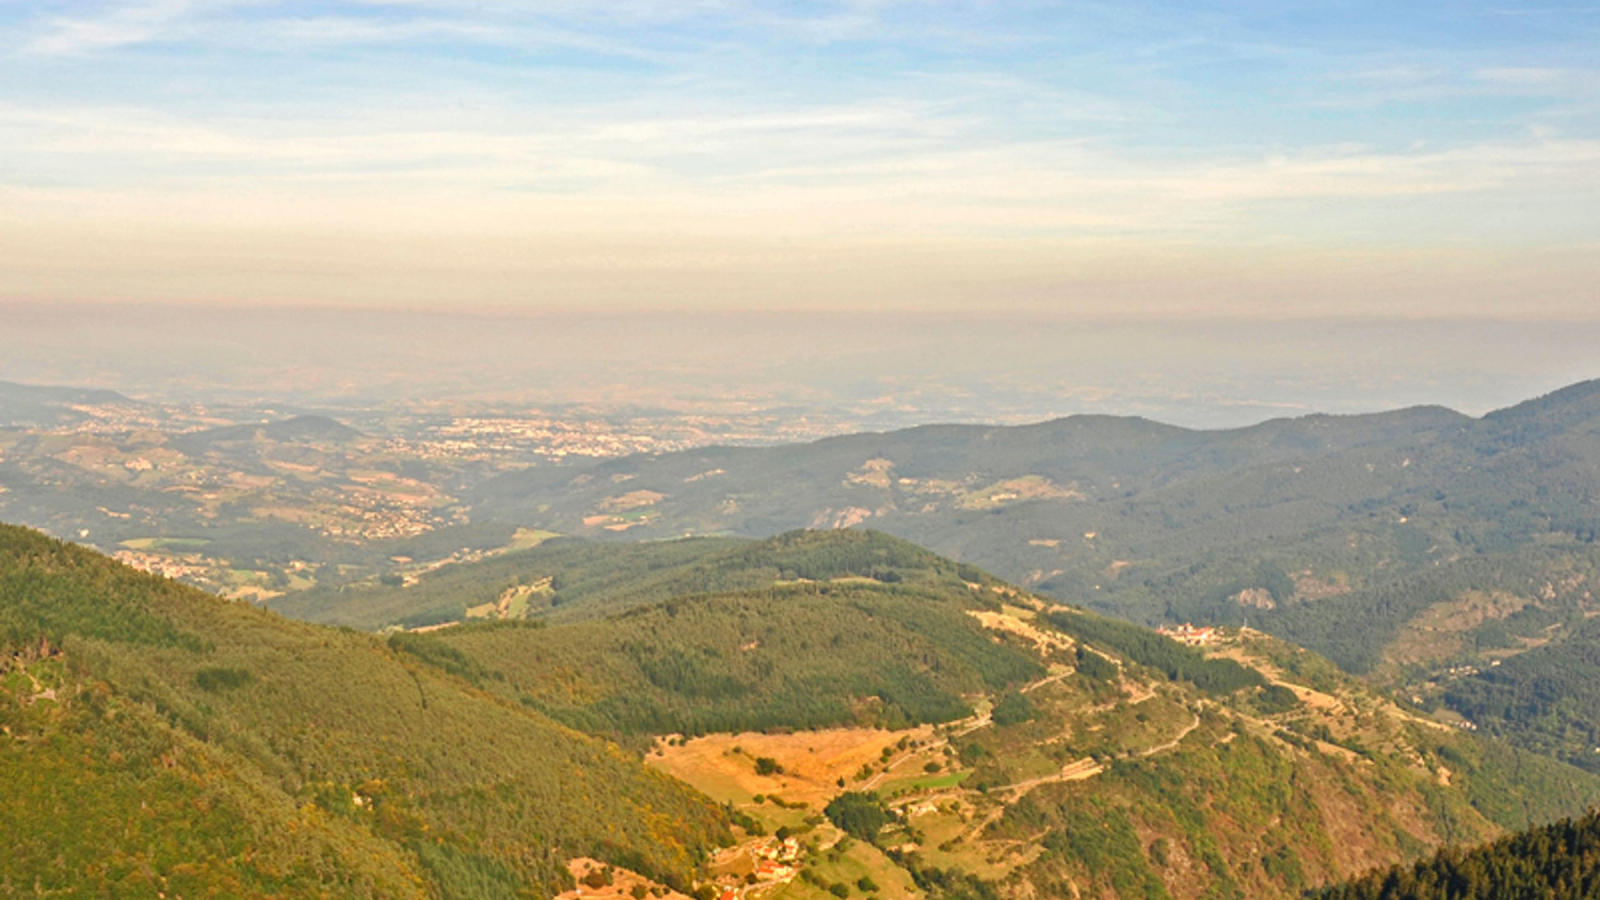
(1072,126)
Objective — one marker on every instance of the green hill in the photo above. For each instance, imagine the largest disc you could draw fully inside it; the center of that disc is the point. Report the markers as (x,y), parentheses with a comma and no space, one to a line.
(804,630)
(795,657)
(158,739)
(566,580)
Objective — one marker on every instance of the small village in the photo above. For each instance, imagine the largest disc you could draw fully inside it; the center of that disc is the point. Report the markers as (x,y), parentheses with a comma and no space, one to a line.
(174,567)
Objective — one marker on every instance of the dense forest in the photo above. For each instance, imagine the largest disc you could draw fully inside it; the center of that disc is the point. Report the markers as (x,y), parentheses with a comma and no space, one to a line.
(1552,862)
(1547,698)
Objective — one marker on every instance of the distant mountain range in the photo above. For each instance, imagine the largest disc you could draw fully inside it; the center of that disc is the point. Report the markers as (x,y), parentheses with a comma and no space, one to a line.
(1419,546)
(296,429)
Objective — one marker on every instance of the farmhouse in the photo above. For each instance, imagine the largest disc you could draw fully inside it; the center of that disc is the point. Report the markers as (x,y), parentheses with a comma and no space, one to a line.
(1188,634)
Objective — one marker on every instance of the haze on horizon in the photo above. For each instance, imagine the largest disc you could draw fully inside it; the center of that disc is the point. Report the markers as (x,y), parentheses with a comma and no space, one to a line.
(1097,160)
(865,370)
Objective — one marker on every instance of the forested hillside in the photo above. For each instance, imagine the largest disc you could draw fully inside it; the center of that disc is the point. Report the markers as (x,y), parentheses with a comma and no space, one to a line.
(1135,767)
(1547,698)
(1024,748)
(1560,860)
(157,739)
(794,657)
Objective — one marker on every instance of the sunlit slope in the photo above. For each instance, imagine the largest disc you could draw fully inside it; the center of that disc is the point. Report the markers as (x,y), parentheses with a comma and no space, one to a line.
(1134,767)
(159,739)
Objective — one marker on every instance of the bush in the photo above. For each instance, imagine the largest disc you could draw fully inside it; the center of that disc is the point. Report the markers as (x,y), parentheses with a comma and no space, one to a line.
(1013,709)
(857,814)
(217,678)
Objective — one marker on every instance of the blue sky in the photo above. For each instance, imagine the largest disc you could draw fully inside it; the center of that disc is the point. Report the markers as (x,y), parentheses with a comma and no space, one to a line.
(1091,159)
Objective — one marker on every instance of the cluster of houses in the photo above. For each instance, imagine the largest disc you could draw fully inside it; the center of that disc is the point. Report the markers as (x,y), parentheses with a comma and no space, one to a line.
(1188,634)
(775,859)
(776,862)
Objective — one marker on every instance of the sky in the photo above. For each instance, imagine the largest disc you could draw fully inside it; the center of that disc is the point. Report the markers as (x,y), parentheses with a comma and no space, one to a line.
(1092,160)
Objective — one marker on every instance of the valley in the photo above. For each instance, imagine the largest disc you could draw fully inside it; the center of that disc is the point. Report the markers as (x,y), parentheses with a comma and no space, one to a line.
(255,500)
(821,450)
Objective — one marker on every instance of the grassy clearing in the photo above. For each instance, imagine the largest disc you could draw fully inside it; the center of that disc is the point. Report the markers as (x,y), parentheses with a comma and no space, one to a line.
(849,862)
(528,538)
(165,543)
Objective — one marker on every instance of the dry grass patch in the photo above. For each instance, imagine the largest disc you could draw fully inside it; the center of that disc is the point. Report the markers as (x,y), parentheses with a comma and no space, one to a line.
(621,887)
(1011,620)
(723,766)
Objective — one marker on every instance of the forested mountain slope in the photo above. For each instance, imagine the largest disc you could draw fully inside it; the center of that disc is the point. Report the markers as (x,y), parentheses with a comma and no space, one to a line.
(1560,860)
(1126,514)
(158,740)
(917,472)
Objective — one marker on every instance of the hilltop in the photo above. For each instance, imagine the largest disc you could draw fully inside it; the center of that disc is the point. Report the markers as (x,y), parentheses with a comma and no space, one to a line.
(295,429)
(52,406)
(569,579)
